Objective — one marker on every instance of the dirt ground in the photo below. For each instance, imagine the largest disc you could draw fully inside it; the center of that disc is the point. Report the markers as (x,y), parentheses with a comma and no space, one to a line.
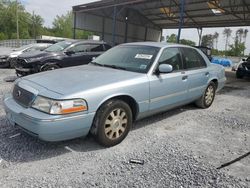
(183,147)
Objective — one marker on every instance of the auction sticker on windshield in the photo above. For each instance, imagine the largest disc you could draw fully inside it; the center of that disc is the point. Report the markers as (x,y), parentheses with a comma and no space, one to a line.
(143,56)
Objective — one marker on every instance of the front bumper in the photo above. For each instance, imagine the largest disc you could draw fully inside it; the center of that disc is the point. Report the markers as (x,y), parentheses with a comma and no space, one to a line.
(23,71)
(4,63)
(244,72)
(47,127)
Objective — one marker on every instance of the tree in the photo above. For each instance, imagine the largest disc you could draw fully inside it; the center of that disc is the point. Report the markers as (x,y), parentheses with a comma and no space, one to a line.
(173,39)
(187,42)
(227,33)
(216,37)
(63,27)
(207,40)
(238,47)
(27,22)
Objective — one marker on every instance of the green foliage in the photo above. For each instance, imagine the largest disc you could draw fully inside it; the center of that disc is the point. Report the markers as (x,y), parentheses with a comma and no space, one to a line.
(207,40)
(187,42)
(173,39)
(28,24)
(31,25)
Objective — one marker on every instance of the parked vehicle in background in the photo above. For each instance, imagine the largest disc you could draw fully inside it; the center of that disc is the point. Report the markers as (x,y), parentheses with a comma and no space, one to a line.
(24,49)
(62,54)
(207,51)
(235,67)
(128,82)
(243,69)
(4,54)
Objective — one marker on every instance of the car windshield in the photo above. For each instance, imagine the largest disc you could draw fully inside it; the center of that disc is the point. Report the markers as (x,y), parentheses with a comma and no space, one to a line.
(60,46)
(23,47)
(134,58)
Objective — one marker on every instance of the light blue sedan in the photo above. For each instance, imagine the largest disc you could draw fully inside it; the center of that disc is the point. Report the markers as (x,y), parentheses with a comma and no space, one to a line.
(127,83)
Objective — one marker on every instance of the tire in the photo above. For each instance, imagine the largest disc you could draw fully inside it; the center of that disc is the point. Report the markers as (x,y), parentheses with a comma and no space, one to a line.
(239,76)
(112,123)
(50,67)
(206,100)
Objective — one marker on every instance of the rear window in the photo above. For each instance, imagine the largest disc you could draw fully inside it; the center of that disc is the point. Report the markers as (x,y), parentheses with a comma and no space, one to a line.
(192,58)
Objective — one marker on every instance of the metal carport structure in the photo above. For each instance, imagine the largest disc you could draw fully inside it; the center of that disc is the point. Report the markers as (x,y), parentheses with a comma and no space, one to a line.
(120,21)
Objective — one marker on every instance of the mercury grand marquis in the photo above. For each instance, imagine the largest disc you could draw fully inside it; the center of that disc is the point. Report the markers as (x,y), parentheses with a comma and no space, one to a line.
(127,83)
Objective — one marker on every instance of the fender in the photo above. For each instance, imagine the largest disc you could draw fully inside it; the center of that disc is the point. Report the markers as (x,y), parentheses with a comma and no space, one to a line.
(52,62)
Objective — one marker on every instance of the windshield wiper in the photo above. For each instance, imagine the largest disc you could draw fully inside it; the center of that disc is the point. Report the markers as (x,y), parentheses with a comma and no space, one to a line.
(114,67)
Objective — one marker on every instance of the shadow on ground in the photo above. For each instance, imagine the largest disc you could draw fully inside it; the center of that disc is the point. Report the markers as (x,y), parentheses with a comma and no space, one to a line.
(25,148)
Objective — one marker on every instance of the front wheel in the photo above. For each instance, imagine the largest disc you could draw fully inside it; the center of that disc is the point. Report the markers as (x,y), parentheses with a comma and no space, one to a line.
(208,96)
(112,122)
(50,67)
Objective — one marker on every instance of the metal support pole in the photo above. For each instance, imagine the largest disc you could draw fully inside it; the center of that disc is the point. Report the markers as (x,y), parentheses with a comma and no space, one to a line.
(181,20)
(126,26)
(114,25)
(17,25)
(146,33)
(103,28)
(200,34)
(74,26)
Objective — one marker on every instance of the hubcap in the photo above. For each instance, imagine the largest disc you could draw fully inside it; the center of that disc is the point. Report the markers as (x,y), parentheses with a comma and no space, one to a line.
(115,124)
(209,95)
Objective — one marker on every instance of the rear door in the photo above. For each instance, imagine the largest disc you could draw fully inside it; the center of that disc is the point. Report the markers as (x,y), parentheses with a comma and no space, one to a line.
(196,71)
(77,57)
(168,89)
(94,50)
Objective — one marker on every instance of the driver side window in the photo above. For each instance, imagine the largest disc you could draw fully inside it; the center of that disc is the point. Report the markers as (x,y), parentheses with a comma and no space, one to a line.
(78,48)
(172,56)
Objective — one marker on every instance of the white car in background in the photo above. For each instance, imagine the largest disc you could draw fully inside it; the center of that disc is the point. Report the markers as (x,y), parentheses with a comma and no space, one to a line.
(23,49)
(236,65)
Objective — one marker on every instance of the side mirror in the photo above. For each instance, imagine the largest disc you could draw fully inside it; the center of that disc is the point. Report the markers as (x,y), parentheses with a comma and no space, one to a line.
(243,59)
(165,68)
(69,52)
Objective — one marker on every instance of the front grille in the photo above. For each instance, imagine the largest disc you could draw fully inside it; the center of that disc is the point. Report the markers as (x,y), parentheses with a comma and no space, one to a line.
(21,62)
(22,96)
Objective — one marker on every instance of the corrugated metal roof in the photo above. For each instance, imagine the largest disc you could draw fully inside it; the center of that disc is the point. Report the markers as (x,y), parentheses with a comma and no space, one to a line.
(165,14)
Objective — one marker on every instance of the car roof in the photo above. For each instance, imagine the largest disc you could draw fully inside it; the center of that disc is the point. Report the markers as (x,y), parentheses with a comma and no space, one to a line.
(86,42)
(157,44)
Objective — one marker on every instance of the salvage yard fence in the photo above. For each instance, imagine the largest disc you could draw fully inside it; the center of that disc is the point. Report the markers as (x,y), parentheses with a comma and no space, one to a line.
(14,43)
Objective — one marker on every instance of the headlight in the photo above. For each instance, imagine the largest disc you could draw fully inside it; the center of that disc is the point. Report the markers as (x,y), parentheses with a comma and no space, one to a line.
(57,107)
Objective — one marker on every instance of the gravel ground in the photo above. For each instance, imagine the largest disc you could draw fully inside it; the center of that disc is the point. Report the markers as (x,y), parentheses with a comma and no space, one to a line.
(181,148)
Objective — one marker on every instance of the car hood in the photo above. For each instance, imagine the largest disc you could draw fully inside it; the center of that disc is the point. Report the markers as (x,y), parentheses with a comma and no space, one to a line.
(70,81)
(38,53)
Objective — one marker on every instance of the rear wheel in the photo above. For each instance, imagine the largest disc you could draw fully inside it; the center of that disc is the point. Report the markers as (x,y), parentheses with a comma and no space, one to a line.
(208,96)
(112,122)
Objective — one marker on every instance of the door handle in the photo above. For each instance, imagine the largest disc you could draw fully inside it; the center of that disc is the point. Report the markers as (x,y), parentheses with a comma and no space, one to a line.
(184,77)
(207,73)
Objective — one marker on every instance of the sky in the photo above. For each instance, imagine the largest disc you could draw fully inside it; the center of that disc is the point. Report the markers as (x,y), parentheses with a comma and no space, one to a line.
(49,9)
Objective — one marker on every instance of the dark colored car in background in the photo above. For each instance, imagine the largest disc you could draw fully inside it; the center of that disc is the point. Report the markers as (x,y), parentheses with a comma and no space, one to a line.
(243,70)
(62,54)
(207,51)
(11,60)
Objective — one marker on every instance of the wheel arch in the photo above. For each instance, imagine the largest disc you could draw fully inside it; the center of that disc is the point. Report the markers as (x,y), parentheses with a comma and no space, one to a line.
(215,80)
(50,62)
(134,106)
